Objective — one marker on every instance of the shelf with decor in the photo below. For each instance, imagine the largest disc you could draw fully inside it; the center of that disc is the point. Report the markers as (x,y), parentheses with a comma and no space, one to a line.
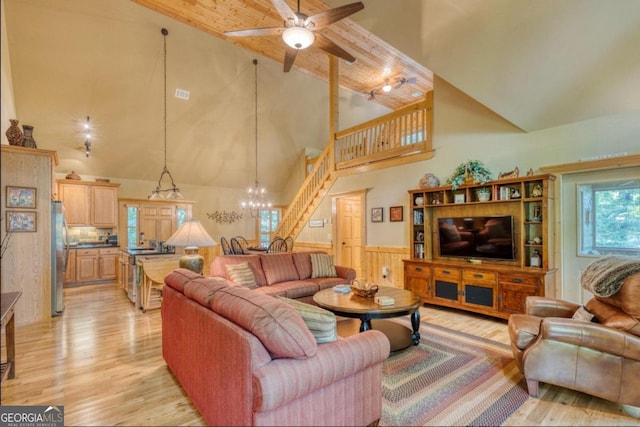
(493,239)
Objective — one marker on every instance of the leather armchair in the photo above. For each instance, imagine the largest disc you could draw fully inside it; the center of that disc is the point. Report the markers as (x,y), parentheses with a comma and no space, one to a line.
(600,358)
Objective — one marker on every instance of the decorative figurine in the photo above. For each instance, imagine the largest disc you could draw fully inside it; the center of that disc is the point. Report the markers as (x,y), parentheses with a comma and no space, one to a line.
(511,174)
(536,191)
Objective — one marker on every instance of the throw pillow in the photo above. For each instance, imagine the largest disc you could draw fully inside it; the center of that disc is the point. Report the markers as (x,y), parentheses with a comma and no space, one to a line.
(583,314)
(322,266)
(242,275)
(321,322)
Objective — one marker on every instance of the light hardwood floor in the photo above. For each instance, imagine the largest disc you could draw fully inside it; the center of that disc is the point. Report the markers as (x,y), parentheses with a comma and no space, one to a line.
(102,360)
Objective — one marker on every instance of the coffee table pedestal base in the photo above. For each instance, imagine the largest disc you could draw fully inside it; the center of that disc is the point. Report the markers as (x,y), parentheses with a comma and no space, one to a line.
(400,337)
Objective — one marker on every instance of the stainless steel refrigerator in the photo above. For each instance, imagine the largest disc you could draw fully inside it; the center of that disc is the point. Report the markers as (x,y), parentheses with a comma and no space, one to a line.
(59,256)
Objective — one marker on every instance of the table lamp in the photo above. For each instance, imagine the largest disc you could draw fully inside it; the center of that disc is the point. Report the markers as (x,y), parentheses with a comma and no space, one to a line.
(191,235)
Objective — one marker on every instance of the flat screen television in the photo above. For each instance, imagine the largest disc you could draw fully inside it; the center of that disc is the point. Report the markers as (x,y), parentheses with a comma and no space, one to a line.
(477,237)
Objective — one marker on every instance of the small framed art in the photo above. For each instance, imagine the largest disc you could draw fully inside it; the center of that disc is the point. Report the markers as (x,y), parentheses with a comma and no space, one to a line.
(377,214)
(316,223)
(18,221)
(458,198)
(396,213)
(21,197)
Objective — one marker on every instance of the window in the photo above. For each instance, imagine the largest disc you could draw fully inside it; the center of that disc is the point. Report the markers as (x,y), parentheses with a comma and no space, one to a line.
(609,218)
(132,226)
(269,221)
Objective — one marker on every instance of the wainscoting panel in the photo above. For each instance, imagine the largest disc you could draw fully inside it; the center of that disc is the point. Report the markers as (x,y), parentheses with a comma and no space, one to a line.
(377,257)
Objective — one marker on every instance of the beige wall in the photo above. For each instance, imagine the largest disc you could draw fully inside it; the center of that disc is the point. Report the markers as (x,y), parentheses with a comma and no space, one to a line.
(7,102)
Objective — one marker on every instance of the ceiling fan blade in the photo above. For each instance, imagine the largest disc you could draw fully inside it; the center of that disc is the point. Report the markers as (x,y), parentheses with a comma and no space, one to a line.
(289,58)
(328,46)
(327,17)
(284,10)
(270,31)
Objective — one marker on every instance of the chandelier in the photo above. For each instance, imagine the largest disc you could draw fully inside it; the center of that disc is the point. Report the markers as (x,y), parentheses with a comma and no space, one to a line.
(256,195)
(173,191)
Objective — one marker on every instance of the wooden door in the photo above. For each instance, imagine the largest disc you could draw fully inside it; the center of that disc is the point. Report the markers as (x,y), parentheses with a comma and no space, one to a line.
(349,232)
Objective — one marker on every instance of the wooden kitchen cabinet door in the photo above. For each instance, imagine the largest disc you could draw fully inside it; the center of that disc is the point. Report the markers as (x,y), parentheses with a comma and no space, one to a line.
(105,207)
(76,203)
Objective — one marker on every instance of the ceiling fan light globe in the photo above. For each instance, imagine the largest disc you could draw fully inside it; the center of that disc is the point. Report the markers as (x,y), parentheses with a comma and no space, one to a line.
(386,88)
(298,37)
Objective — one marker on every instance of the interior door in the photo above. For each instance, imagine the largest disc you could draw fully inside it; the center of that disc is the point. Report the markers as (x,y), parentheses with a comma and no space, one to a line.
(349,232)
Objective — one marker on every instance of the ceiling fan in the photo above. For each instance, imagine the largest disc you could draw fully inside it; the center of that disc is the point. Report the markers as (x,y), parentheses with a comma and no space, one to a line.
(404,81)
(300,31)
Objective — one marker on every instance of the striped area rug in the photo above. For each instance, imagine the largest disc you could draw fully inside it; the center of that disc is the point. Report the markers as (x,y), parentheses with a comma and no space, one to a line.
(450,379)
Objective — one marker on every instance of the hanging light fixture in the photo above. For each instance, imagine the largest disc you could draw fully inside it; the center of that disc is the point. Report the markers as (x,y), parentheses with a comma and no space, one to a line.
(87,136)
(173,191)
(256,195)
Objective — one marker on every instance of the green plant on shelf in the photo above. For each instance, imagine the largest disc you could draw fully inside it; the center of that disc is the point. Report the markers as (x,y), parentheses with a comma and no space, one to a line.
(471,171)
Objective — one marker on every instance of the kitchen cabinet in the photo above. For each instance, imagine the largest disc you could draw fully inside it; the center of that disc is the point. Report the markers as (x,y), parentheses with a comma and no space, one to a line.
(88,203)
(108,263)
(87,265)
(70,272)
(157,219)
(92,265)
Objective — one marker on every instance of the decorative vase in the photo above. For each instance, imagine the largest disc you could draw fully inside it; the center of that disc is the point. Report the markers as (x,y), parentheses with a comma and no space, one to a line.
(28,140)
(429,180)
(14,134)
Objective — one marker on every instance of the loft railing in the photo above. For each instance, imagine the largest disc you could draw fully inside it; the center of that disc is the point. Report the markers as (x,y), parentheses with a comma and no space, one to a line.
(402,132)
(397,134)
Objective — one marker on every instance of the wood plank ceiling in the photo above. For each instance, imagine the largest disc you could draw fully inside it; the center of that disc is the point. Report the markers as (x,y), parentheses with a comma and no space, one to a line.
(376,61)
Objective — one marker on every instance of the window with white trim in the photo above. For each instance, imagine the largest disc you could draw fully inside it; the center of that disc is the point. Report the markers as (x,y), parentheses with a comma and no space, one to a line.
(609,218)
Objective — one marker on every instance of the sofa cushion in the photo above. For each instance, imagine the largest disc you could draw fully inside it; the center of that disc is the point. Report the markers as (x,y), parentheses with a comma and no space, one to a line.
(242,275)
(279,267)
(178,278)
(329,282)
(627,298)
(321,322)
(613,317)
(201,289)
(322,266)
(219,266)
(302,261)
(277,325)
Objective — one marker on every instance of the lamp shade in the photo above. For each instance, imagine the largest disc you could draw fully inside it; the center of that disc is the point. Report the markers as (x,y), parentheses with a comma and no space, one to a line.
(191,235)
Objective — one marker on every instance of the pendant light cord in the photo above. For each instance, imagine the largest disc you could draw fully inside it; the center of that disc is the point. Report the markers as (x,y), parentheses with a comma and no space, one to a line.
(255,62)
(165,32)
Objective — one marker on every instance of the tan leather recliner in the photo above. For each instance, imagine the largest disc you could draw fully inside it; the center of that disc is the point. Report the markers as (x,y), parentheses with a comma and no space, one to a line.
(599,358)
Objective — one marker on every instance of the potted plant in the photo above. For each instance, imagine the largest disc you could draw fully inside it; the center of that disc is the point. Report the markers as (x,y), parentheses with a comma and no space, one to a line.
(471,171)
(483,194)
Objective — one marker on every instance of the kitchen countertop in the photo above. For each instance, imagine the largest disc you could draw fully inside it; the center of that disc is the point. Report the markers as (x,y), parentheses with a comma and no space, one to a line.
(92,246)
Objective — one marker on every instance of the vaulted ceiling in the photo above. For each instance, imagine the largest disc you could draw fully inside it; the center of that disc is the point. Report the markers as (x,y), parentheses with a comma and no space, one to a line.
(536,63)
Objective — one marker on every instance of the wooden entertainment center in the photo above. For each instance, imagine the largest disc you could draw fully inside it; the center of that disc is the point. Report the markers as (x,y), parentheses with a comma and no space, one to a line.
(496,287)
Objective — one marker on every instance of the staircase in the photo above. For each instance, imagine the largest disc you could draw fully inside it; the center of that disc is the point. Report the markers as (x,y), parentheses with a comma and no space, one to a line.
(402,136)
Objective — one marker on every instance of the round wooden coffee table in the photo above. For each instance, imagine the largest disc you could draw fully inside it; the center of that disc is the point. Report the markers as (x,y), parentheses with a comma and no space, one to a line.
(365,309)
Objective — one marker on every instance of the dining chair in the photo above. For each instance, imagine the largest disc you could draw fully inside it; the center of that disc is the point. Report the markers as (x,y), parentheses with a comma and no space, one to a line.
(236,247)
(226,248)
(243,242)
(289,241)
(277,245)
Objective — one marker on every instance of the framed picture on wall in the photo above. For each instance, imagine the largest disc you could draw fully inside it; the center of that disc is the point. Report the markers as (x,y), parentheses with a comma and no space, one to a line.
(316,223)
(21,197)
(396,213)
(377,214)
(18,221)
